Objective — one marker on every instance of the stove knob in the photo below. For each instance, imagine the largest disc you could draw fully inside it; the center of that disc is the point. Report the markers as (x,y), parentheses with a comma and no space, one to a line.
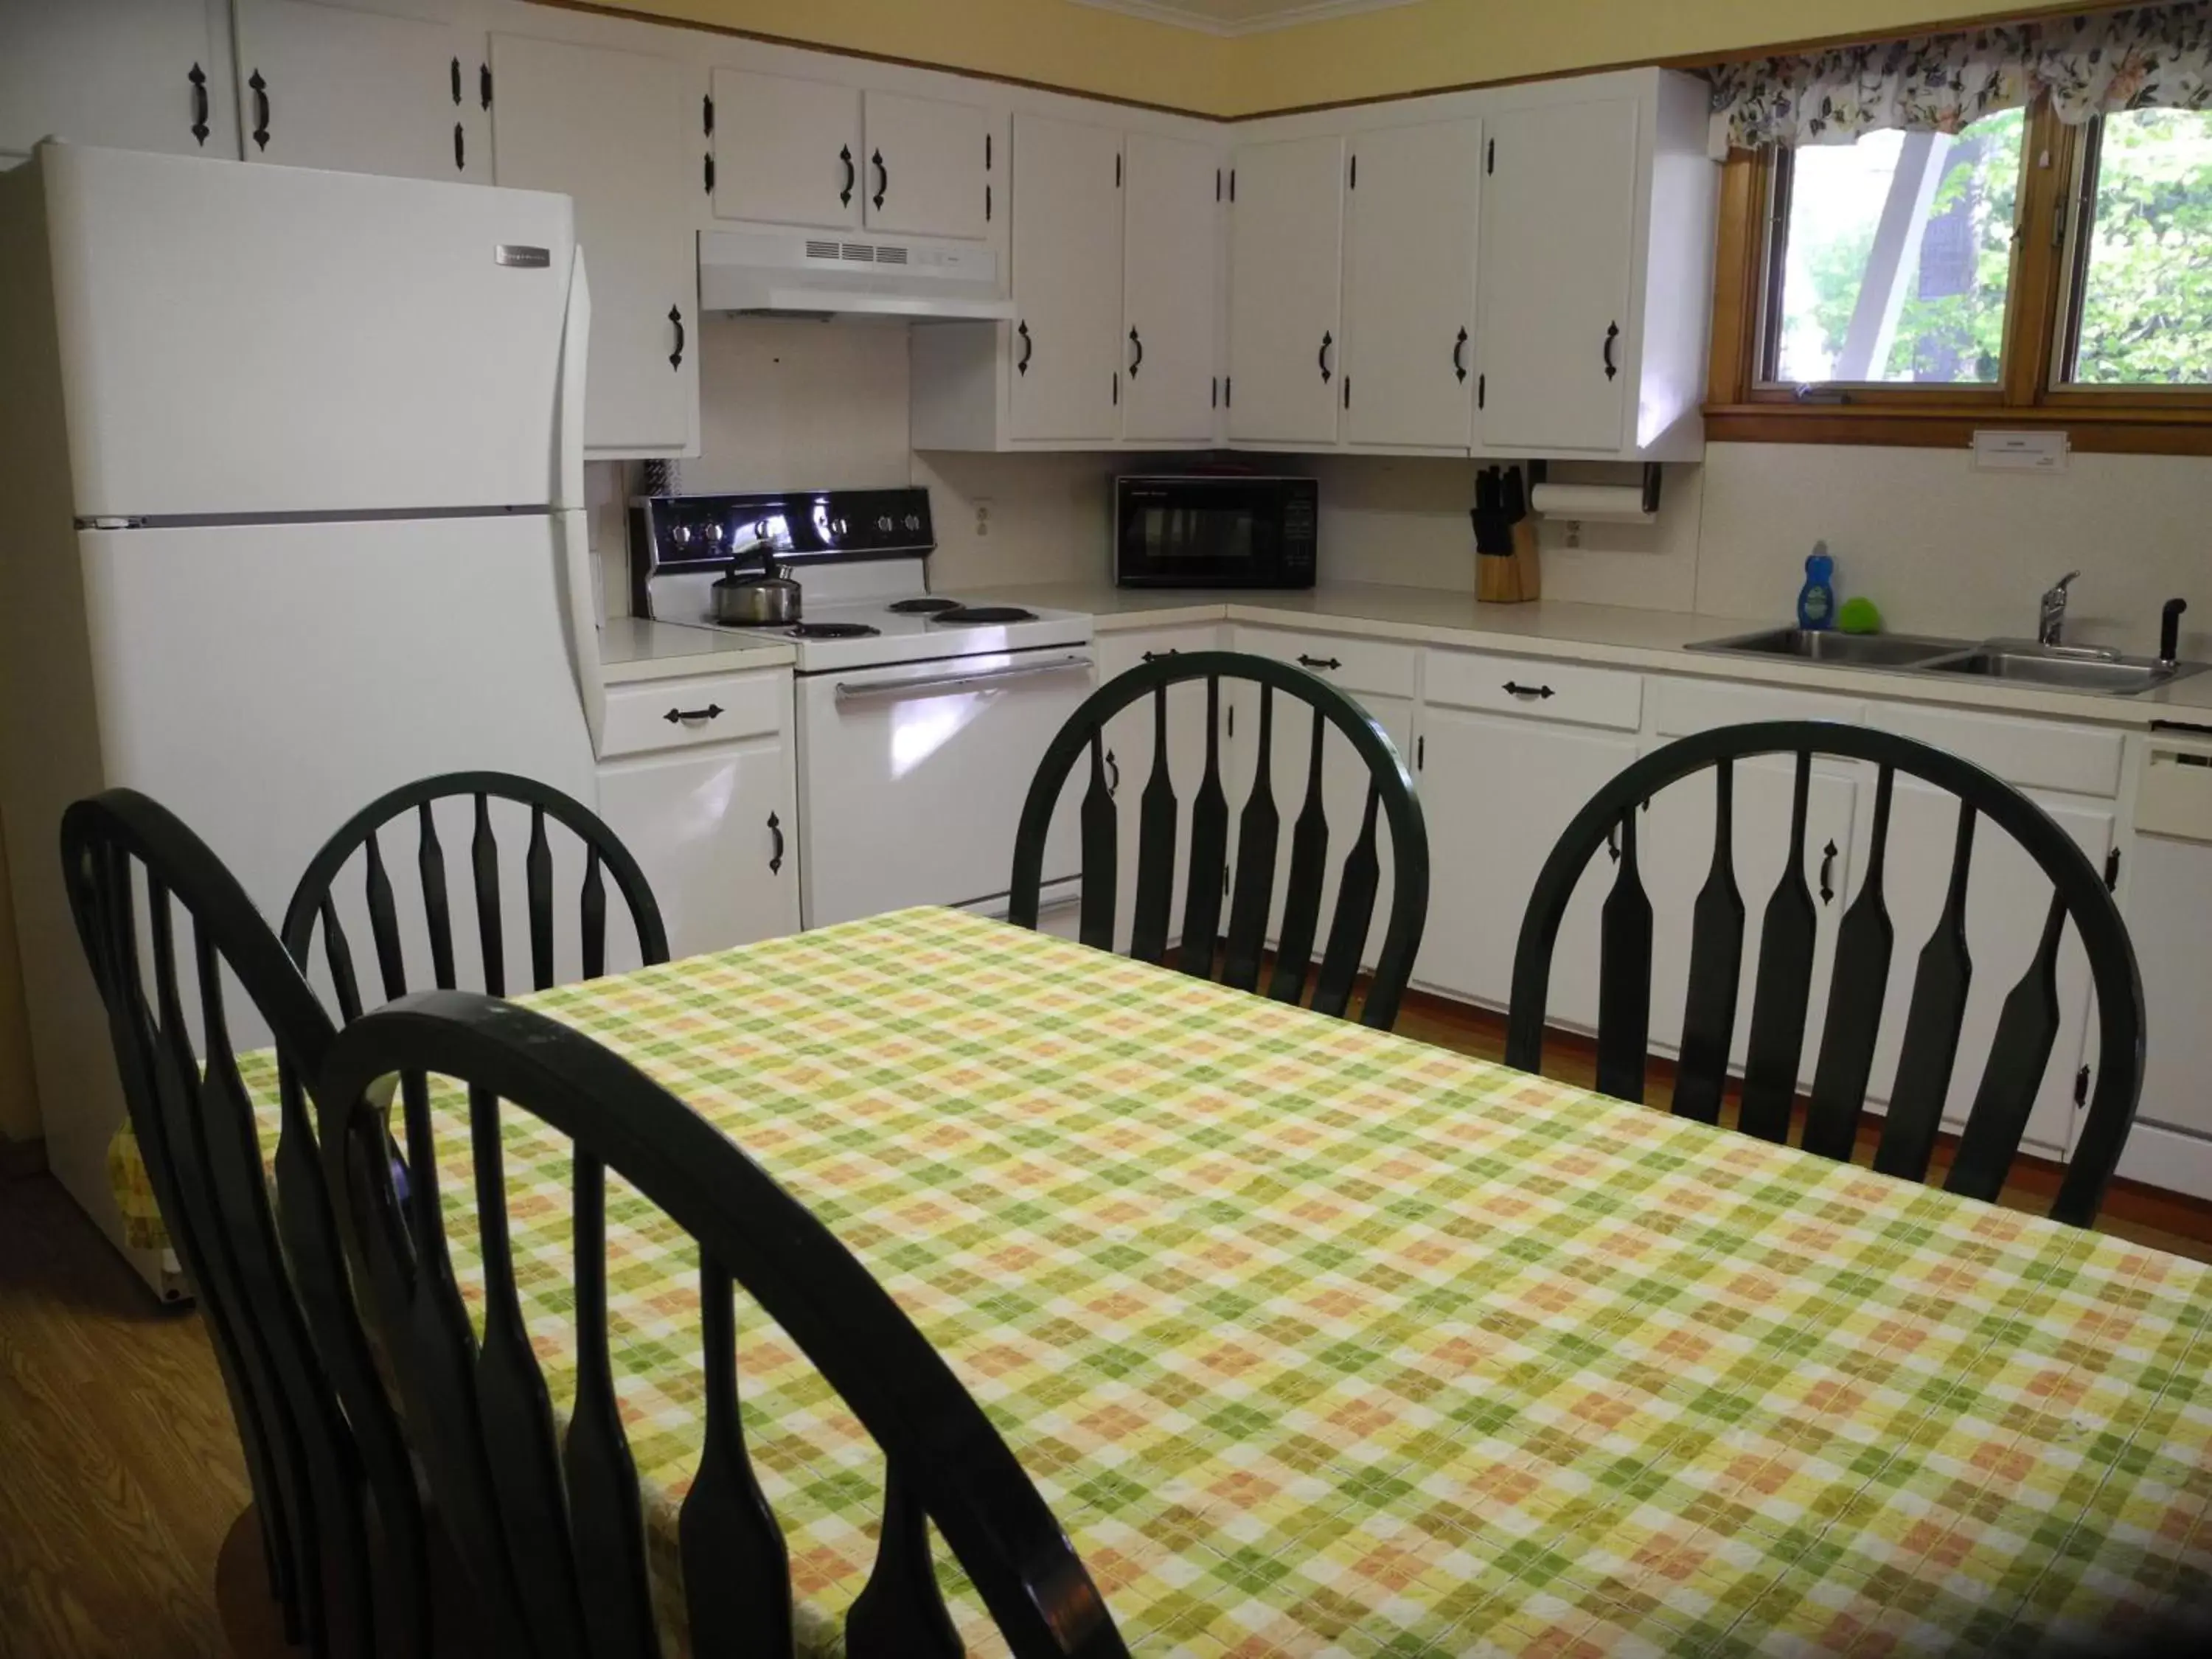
(913,521)
(884,522)
(714,535)
(681,535)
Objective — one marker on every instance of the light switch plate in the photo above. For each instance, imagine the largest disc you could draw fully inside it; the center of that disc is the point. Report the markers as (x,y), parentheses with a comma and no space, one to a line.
(2020,452)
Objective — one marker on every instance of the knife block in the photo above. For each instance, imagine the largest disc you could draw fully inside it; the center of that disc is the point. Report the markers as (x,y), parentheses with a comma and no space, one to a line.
(1528,560)
(1497,578)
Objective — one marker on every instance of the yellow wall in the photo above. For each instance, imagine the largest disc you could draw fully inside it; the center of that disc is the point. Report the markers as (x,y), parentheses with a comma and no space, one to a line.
(1397,49)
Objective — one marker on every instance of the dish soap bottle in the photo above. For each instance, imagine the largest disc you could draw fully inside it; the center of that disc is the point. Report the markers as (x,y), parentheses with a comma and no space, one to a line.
(1816,600)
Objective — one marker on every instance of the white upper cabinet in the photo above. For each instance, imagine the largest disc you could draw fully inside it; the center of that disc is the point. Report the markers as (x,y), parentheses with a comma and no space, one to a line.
(361,90)
(1170,289)
(929,167)
(787,151)
(128,74)
(1067,279)
(1558,246)
(608,129)
(1409,285)
(1286,224)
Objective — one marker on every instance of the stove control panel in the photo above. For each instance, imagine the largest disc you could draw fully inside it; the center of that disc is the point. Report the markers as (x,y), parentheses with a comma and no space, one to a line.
(700,532)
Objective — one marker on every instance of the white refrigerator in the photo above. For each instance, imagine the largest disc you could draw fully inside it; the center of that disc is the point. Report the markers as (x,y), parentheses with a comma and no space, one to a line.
(291,512)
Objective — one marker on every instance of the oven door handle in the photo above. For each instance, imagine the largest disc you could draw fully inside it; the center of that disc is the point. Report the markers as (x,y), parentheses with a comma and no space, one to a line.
(850,691)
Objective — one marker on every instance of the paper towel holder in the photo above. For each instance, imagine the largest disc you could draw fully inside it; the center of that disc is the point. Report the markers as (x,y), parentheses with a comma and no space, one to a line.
(1539,472)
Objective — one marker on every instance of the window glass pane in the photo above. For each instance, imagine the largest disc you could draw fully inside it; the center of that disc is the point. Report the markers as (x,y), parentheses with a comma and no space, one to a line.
(1898,255)
(2146,287)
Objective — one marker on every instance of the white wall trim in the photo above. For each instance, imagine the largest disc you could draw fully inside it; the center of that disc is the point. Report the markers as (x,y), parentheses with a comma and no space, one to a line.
(1314,11)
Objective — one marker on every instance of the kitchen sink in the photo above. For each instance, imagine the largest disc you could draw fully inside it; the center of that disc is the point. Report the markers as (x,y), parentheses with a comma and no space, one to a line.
(1850,650)
(2064,670)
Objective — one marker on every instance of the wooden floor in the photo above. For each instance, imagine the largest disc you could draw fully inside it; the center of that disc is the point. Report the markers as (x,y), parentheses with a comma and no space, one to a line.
(119,1470)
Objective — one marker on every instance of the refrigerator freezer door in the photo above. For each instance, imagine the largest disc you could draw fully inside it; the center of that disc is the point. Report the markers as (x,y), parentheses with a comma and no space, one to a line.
(238,341)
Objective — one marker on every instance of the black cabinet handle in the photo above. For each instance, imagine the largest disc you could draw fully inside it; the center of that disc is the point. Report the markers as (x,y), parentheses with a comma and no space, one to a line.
(1612,333)
(1137,344)
(676,357)
(1113,774)
(456,80)
(852,177)
(260,109)
(1322,356)
(707,172)
(1828,873)
(685,716)
(198,78)
(1029,346)
(1459,356)
(1527,693)
(483,84)
(776,856)
(1319,662)
(1154,656)
(883,178)
(461,149)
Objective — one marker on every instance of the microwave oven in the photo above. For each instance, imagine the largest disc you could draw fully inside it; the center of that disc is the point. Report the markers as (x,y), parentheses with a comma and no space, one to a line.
(1213,529)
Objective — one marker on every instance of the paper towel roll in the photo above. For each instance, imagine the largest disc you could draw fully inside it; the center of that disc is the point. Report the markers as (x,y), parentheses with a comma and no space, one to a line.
(1608,503)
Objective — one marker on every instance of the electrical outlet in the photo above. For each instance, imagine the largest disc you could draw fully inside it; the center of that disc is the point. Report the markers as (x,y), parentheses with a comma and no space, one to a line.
(983,518)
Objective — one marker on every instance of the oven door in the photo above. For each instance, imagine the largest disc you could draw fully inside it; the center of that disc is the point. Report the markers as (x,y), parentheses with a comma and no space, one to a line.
(912,778)
(1213,533)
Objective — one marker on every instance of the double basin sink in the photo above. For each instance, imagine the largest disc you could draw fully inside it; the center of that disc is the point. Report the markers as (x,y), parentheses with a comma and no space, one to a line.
(2020,662)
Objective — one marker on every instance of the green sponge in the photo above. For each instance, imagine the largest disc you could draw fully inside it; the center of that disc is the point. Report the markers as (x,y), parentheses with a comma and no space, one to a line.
(1858,616)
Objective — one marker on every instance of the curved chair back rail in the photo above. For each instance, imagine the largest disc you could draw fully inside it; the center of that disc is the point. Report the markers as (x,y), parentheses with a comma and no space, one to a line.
(552,1531)
(2027,1026)
(323,1448)
(313,901)
(1390,794)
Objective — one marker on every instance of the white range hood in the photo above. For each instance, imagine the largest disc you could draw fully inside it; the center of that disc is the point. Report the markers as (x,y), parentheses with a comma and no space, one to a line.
(827,273)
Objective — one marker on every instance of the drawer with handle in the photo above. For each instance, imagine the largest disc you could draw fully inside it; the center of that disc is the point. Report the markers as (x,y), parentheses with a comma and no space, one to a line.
(1375,667)
(1542,691)
(679,714)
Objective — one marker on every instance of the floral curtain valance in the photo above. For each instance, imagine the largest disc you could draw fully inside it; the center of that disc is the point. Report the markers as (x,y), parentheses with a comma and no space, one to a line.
(2143,57)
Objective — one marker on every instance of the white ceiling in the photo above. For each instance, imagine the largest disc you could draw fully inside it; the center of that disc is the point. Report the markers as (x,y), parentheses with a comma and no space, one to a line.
(1239,16)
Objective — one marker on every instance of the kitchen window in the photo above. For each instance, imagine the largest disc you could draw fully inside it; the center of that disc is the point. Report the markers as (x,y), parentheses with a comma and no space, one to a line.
(1967,259)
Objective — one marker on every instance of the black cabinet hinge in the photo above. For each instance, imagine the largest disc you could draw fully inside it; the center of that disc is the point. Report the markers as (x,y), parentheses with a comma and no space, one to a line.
(1354,182)
(987,203)
(1213,392)
(483,84)
(1490,157)
(1117,170)
(1229,392)
(456,80)
(1216,184)
(707,172)
(1117,388)
(1420,752)
(2082,1087)
(706,115)
(2112,871)
(1347,391)
(1481,390)
(986,152)
(1232,184)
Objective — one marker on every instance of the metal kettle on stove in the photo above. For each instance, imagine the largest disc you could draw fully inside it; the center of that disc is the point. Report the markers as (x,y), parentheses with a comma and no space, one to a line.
(762,597)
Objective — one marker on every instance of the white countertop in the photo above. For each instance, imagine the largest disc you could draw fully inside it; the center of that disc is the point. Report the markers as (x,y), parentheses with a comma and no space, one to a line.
(1617,634)
(632,649)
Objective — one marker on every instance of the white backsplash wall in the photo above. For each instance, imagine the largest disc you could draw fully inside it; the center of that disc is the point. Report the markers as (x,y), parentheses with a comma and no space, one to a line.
(1943,549)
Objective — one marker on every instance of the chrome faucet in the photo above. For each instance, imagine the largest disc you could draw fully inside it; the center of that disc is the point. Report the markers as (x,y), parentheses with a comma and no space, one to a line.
(2050,622)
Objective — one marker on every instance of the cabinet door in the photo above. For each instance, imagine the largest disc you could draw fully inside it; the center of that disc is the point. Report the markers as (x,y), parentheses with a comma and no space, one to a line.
(1170,261)
(1067,279)
(1286,225)
(607,128)
(1409,285)
(2169,904)
(1559,205)
(2006,897)
(1675,846)
(119,73)
(1497,792)
(929,170)
(712,829)
(787,151)
(359,91)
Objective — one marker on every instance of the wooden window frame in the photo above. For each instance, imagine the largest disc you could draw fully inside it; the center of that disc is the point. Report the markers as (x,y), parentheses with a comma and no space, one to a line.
(2046,269)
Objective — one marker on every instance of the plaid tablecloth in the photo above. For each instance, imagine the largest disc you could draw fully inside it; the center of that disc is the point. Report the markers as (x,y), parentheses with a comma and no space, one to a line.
(1320,1340)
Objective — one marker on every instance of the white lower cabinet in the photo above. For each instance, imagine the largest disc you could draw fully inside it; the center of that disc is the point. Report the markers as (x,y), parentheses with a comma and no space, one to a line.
(711,818)
(2168,904)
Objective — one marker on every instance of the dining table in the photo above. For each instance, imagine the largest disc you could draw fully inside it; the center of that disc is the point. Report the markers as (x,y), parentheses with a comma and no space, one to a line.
(1317,1340)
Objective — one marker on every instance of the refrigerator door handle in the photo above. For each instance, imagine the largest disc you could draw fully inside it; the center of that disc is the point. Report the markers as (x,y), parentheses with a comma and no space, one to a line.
(569,417)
